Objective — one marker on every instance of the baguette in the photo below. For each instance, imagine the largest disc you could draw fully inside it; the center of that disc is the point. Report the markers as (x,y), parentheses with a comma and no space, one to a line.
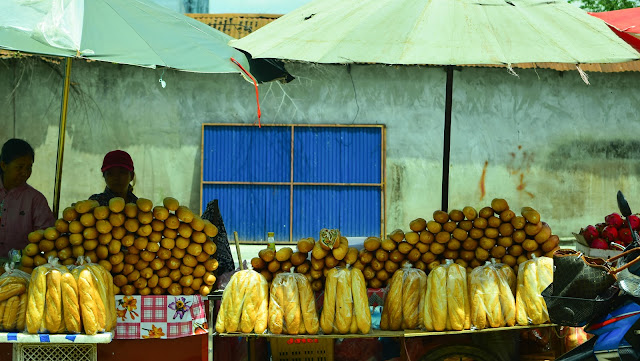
(292,316)
(426,306)
(395,304)
(344,302)
(360,301)
(276,317)
(507,302)
(22,313)
(410,299)
(70,305)
(438,298)
(101,282)
(11,288)
(35,307)
(423,289)
(456,300)
(10,317)
(263,309)
(234,312)
(353,328)
(91,305)
(384,317)
(307,306)
(250,305)
(227,299)
(53,303)
(533,300)
(521,310)
(478,309)
(491,296)
(328,315)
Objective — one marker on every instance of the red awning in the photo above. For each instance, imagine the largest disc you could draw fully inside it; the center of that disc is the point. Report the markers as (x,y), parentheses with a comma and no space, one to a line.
(625,23)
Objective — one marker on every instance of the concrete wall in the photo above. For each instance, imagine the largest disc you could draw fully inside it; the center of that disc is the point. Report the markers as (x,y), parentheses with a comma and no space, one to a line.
(543,139)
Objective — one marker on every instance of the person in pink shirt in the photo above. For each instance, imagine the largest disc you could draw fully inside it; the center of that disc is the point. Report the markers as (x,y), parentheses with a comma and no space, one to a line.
(23,209)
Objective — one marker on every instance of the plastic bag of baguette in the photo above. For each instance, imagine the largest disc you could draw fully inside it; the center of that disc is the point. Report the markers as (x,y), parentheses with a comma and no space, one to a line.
(245,304)
(346,304)
(14,284)
(446,303)
(534,276)
(94,301)
(292,305)
(404,300)
(491,300)
(45,313)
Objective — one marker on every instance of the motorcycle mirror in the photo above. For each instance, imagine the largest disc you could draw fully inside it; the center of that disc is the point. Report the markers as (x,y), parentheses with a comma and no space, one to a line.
(623,205)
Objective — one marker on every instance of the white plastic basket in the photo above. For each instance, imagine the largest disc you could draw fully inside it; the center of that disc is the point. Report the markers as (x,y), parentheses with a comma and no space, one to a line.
(55,352)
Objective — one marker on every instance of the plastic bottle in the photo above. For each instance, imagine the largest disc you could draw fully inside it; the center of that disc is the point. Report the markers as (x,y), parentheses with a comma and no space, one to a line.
(271,241)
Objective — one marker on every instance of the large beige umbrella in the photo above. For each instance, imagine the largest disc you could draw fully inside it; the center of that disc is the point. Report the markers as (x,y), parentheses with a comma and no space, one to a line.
(438,32)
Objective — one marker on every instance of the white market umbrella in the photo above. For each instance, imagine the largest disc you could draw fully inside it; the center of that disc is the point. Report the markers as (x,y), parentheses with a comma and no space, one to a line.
(134,32)
(438,32)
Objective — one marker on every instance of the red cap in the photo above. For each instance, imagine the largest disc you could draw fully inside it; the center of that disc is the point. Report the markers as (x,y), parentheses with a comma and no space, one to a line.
(117,158)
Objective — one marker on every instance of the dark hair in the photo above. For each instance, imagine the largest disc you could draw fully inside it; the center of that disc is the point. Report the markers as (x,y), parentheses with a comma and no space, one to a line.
(15,148)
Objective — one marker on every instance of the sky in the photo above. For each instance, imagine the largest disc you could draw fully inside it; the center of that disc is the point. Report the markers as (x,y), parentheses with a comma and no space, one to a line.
(254,6)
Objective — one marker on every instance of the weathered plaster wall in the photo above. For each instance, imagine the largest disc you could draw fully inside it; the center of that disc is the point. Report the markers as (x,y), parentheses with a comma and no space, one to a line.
(543,139)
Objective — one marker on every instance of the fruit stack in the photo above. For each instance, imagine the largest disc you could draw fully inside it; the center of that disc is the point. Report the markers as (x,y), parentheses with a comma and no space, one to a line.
(613,234)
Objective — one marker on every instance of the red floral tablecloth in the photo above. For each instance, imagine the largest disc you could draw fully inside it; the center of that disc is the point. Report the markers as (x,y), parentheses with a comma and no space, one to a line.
(141,317)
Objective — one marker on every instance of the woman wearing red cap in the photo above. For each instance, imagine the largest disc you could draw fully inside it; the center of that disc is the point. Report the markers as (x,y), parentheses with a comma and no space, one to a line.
(23,209)
(118,172)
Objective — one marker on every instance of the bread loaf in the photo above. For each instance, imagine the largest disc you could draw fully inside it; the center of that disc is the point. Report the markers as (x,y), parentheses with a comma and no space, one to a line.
(438,298)
(478,308)
(384,317)
(426,306)
(53,303)
(362,314)
(344,302)
(70,303)
(533,300)
(234,312)
(328,315)
(307,306)
(10,316)
(292,314)
(395,305)
(251,303)
(35,306)
(102,279)
(22,313)
(411,300)
(263,309)
(221,313)
(423,289)
(276,316)
(491,294)
(12,288)
(507,301)
(456,296)
(91,306)
(521,311)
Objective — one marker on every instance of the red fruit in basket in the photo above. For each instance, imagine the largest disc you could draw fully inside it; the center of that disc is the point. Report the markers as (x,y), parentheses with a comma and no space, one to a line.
(590,233)
(614,219)
(624,235)
(610,233)
(599,243)
(634,221)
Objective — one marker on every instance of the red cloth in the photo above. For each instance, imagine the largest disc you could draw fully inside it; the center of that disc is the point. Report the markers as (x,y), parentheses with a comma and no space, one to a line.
(24,209)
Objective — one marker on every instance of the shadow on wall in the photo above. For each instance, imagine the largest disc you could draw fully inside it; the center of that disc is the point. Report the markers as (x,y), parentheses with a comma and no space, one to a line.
(606,158)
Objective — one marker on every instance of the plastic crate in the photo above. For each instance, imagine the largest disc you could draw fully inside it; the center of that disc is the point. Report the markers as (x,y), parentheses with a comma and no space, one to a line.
(54,352)
(301,349)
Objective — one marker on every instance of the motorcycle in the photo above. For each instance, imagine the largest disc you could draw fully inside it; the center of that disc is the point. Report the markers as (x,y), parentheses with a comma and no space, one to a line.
(616,334)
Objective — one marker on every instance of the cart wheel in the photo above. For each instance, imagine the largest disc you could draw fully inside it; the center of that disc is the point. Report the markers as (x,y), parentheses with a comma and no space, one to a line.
(458,353)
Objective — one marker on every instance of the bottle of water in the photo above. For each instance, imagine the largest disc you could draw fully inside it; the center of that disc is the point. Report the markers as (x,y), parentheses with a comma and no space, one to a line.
(271,241)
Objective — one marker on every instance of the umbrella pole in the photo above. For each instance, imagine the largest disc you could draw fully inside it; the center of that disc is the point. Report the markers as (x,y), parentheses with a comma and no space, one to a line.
(447,140)
(63,126)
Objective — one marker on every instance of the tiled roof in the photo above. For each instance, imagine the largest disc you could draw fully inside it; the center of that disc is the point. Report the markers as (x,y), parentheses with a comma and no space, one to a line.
(235,25)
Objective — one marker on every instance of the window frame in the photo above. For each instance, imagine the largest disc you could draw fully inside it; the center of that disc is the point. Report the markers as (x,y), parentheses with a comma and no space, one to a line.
(292,184)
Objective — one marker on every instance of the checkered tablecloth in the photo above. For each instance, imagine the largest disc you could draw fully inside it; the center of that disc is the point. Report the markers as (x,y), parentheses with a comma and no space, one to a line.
(142,317)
